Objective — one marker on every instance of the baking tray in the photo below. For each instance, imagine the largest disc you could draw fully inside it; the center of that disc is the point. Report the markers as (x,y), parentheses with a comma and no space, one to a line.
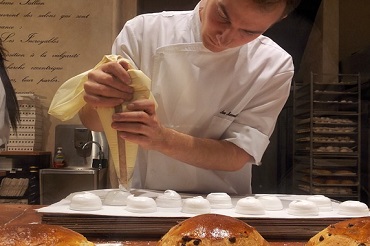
(142,227)
(113,221)
(336,162)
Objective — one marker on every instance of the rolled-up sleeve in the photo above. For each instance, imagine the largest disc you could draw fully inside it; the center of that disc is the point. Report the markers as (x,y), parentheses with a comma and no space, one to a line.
(254,125)
(248,139)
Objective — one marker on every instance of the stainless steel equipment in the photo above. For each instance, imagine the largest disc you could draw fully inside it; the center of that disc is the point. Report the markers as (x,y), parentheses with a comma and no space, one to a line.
(56,184)
(86,155)
(72,138)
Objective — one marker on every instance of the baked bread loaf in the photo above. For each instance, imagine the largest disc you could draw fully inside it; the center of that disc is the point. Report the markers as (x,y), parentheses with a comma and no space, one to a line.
(212,229)
(351,232)
(40,235)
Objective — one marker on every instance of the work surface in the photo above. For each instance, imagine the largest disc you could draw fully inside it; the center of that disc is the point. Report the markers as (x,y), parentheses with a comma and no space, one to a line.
(14,214)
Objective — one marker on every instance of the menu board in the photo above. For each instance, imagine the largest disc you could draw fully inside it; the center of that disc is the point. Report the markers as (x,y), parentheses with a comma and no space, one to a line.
(50,41)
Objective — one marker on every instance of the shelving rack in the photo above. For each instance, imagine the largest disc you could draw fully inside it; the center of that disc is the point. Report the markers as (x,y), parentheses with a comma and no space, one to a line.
(20,169)
(327,136)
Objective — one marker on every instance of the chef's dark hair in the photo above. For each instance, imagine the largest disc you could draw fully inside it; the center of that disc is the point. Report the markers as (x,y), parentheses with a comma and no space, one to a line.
(11,98)
(290,4)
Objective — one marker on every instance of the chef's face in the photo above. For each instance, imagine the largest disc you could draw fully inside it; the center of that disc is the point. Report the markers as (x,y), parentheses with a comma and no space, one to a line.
(232,23)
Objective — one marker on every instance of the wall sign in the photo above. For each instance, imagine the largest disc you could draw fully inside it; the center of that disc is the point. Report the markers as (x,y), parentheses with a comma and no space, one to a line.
(50,41)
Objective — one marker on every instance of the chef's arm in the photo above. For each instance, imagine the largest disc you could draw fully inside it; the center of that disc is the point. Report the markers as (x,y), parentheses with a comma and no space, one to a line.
(204,153)
(140,125)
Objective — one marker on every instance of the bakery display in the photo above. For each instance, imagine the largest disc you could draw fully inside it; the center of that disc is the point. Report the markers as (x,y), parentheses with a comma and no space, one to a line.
(170,203)
(40,234)
(144,214)
(212,229)
(351,232)
(327,137)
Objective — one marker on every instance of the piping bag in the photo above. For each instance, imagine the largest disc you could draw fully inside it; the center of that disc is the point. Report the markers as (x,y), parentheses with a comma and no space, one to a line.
(68,100)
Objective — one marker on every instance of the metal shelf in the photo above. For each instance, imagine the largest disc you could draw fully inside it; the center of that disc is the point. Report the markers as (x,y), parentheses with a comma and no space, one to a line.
(327,110)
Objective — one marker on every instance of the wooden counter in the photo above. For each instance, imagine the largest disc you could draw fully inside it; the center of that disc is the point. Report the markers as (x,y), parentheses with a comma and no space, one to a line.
(15,214)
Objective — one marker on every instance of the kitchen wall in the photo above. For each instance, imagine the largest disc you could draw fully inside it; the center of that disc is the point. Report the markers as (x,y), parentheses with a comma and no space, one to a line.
(354,22)
(340,29)
(51,41)
(150,6)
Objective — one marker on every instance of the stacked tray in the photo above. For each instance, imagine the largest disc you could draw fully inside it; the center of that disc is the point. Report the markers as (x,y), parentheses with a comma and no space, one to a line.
(117,221)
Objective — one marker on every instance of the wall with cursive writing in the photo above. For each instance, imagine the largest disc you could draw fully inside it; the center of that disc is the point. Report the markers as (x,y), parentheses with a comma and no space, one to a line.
(51,41)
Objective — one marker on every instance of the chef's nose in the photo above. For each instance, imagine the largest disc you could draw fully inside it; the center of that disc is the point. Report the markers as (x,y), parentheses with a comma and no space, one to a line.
(225,38)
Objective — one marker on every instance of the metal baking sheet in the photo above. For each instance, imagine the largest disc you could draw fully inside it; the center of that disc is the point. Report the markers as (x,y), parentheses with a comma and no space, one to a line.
(115,220)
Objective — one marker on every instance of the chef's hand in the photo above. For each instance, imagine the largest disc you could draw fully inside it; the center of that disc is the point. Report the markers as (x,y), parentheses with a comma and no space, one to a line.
(140,124)
(108,85)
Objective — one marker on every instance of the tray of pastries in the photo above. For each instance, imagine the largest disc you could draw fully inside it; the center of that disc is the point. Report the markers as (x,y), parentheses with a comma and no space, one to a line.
(139,212)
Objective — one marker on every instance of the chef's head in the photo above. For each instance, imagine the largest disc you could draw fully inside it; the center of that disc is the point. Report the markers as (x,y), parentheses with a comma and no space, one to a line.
(232,23)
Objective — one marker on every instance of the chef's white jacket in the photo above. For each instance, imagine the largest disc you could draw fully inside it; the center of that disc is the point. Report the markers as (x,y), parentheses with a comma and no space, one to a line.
(234,95)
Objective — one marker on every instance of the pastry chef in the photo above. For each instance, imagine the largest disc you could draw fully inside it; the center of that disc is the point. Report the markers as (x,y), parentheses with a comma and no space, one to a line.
(219,85)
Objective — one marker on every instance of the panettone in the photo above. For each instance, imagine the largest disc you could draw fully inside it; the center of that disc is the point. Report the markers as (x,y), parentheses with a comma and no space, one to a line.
(40,235)
(212,229)
(351,232)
